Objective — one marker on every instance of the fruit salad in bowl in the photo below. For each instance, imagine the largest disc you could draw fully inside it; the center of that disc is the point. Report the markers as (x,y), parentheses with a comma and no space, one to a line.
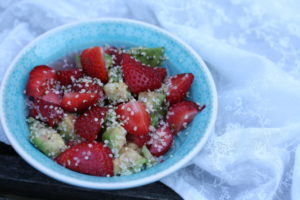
(108,111)
(108,103)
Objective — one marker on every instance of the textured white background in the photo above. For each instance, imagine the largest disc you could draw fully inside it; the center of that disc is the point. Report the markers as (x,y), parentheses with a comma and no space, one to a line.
(252,48)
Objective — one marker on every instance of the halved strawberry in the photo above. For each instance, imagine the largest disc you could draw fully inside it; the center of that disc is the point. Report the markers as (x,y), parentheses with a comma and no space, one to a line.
(89,123)
(162,72)
(41,78)
(178,87)
(66,77)
(78,102)
(135,117)
(49,113)
(52,96)
(87,87)
(139,140)
(116,54)
(91,158)
(161,141)
(92,60)
(139,77)
(181,114)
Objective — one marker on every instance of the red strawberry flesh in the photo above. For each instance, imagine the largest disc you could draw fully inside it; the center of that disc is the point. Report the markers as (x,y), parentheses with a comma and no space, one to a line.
(139,140)
(181,114)
(89,123)
(161,141)
(49,113)
(66,77)
(162,72)
(139,77)
(92,60)
(178,87)
(134,116)
(91,158)
(78,102)
(41,78)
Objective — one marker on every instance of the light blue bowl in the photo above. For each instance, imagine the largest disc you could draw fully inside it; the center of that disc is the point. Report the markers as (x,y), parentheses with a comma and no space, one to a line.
(119,32)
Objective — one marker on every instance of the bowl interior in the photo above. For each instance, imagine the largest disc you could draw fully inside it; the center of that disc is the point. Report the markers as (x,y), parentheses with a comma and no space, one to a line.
(62,41)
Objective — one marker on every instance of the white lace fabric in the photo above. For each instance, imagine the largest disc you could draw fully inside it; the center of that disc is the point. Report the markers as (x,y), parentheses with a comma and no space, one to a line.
(253,51)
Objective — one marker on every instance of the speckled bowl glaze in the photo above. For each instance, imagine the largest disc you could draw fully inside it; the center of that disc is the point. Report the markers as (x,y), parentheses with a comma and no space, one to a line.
(119,32)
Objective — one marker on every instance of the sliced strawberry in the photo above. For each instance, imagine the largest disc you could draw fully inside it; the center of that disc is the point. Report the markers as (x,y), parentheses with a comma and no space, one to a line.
(92,60)
(139,140)
(49,113)
(87,87)
(161,141)
(78,102)
(135,117)
(181,114)
(52,97)
(162,72)
(89,123)
(91,158)
(139,77)
(41,78)
(178,87)
(66,77)
(116,54)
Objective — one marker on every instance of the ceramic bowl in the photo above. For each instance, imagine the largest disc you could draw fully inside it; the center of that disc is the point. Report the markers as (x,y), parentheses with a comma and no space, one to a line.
(119,32)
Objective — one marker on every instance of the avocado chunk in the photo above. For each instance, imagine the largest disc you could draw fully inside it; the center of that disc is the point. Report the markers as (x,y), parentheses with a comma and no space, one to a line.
(78,62)
(45,138)
(154,102)
(117,92)
(115,138)
(115,74)
(152,57)
(66,127)
(150,158)
(108,61)
(128,162)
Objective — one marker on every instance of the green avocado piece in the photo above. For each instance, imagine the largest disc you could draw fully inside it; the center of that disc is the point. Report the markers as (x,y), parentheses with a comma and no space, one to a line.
(78,62)
(152,57)
(154,102)
(128,162)
(45,138)
(115,74)
(108,61)
(150,158)
(66,127)
(117,92)
(115,138)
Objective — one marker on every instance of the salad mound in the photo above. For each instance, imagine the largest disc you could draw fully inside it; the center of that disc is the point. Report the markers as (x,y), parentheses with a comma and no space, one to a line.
(116,112)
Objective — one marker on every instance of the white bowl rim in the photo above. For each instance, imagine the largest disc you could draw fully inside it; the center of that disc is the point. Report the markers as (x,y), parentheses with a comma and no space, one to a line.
(100,185)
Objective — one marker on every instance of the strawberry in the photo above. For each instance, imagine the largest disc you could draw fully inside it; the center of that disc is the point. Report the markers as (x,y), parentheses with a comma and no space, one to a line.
(178,87)
(46,112)
(66,77)
(135,117)
(139,140)
(89,123)
(115,53)
(41,78)
(182,113)
(78,102)
(162,72)
(91,158)
(139,77)
(87,87)
(92,60)
(52,96)
(161,141)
